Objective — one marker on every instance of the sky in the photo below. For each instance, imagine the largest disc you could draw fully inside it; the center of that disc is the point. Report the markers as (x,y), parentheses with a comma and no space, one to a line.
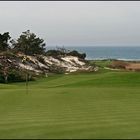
(74,23)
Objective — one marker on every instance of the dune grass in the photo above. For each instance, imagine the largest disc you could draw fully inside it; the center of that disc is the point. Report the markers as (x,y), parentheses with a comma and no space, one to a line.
(103,104)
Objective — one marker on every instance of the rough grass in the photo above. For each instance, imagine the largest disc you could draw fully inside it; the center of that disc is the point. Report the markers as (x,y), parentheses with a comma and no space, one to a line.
(104,104)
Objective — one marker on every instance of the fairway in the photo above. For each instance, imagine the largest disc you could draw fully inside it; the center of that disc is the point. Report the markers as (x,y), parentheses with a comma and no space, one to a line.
(104,104)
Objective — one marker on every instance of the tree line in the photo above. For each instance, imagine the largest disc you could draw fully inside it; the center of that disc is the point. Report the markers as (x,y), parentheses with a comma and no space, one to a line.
(27,43)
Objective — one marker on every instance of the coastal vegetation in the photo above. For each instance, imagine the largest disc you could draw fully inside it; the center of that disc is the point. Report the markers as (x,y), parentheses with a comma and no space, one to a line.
(27,55)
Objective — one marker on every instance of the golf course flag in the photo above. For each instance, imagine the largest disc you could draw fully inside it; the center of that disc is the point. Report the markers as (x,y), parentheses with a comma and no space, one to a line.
(24,60)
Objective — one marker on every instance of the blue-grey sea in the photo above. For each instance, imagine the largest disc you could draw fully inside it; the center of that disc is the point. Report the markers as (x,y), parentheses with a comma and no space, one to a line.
(120,53)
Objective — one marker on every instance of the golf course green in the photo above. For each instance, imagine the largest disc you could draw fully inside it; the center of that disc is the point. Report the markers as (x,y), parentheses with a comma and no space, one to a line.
(103,104)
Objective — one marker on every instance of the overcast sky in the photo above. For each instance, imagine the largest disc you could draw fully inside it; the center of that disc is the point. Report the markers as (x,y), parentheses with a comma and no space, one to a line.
(74,23)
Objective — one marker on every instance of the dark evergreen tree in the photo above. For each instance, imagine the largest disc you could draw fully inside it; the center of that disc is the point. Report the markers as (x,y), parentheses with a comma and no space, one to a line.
(4,38)
(29,44)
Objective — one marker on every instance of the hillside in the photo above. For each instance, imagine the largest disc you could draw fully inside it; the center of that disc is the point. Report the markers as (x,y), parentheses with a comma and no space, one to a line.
(42,65)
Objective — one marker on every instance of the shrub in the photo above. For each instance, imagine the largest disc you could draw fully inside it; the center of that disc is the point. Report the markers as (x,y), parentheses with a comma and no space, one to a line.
(40,59)
(76,53)
(118,64)
(61,52)
(54,53)
(56,69)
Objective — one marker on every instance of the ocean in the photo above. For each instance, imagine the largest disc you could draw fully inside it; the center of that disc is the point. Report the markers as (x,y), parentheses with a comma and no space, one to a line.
(100,53)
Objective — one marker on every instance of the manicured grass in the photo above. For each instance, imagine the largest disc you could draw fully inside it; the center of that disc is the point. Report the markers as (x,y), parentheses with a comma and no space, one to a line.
(103,104)
(101,63)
